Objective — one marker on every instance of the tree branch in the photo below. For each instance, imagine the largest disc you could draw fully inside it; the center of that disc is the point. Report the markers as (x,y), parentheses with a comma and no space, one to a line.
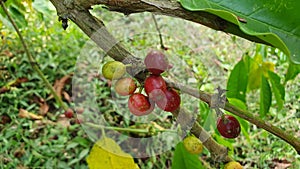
(170,8)
(96,30)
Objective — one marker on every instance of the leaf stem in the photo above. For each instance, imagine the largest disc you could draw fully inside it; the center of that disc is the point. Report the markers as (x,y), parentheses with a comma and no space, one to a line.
(32,60)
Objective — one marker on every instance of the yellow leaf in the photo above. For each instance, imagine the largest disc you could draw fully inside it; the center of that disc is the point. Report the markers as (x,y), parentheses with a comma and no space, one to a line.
(268,66)
(254,79)
(107,154)
(25,114)
(257,69)
(29,3)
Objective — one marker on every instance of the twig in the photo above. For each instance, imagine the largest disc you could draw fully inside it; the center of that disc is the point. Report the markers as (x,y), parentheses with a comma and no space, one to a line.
(292,140)
(159,32)
(32,60)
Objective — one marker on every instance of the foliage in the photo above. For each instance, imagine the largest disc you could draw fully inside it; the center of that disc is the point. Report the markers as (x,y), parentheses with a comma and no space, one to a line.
(56,52)
(264,19)
(252,74)
(183,159)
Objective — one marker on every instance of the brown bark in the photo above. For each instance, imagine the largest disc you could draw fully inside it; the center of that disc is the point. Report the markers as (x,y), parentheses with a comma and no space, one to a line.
(170,8)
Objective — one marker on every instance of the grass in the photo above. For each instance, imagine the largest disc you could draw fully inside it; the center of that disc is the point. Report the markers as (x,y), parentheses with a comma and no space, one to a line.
(202,58)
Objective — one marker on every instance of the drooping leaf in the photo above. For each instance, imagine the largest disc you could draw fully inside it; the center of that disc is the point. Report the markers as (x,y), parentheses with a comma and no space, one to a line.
(293,71)
(278,89)
(182,159)
(237,82)
(265,97)
(106,153)
(255,72)
(272,21)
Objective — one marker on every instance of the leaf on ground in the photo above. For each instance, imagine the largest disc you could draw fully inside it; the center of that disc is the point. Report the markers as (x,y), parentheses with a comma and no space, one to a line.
(106,153)
(67,96)
(13,83)
(25,114)
(4,89)
(44,108)
(7,53)
(63,121)
(281,164)
(60,84)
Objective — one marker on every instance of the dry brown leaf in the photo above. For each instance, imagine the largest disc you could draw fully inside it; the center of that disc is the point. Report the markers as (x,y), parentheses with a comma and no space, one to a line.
(25,114)
(281,163)
(60,84)
(10,84)
(67,96)
(7,53)
(4,89)
(44,108)
(63,121)
(20,80)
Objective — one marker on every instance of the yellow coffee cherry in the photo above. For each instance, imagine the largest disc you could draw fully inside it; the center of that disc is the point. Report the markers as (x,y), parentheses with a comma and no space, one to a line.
(113,70)
(233,165)
(193,145)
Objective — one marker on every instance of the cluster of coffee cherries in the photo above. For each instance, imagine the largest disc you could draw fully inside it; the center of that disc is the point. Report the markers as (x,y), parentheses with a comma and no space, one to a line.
(155,88)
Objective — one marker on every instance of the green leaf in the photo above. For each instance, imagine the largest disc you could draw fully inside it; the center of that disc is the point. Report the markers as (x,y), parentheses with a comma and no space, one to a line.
(271,21)
(18,15)
(185,160)
(225,142)
(237,82)
(265,97)
(17,9)
(278,89)
(293,71)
